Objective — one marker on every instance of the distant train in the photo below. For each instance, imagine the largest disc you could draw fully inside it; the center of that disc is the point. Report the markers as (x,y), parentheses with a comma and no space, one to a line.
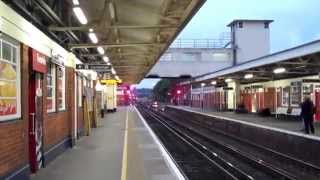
(125,96)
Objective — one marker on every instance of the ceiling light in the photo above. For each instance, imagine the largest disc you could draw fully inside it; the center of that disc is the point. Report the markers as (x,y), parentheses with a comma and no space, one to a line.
(100,50)
(213,82)
(112,10)
(113,71)
(80,15)
(90,30)
(93,37)
(108,63)
(105,59)
(279,70)
(75,2)
(203,84)
(117,77)
(248,76)
(228,80)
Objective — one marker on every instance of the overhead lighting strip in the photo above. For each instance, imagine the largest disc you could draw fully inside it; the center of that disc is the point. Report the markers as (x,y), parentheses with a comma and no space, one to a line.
(80,15)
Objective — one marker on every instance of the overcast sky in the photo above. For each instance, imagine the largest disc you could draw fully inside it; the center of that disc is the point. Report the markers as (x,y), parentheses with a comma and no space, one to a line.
(295,21)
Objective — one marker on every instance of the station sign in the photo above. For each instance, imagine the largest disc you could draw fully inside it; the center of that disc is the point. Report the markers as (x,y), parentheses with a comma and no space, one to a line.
(95,67)
(56,58)
(39,62)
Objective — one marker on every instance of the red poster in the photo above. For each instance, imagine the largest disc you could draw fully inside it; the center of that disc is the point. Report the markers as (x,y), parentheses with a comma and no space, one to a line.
(39,62)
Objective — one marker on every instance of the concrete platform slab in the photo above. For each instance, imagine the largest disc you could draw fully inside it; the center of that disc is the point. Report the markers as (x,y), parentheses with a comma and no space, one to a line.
(122,149)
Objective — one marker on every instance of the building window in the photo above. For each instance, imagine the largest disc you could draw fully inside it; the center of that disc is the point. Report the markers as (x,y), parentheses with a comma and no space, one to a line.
(61,87)
(9,80)
(266,25)
(240,24)
(79,92)
(286,96)
(295,93)
(51,88)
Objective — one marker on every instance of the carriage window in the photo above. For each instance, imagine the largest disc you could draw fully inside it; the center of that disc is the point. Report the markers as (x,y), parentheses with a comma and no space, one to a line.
(9,81)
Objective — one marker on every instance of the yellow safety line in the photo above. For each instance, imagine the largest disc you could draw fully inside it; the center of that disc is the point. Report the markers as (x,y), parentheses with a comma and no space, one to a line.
(125,151)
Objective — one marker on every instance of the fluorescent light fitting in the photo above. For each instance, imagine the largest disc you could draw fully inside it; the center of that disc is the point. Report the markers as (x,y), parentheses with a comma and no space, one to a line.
(93,37)
(113,71)
(213,82)
(248,76)
(279,70)
(75,2)
(228,80)
(105,59)
(80,15)
(203,84)
(112,10)
(100,50)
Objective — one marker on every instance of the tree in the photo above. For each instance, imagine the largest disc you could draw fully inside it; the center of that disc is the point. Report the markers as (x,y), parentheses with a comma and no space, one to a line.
(160,90)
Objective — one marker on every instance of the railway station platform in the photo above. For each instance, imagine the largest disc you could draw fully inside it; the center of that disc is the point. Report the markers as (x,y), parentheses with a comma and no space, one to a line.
(289,125)
(124,148)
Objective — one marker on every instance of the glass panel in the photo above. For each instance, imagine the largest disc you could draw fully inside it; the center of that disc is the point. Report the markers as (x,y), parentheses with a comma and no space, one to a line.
(49,104)
(60,105)
(6,51)
(14,55)
(7,71)
(49,92)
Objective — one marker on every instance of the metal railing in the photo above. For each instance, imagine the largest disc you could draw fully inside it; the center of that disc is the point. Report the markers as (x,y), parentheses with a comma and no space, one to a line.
(220,42)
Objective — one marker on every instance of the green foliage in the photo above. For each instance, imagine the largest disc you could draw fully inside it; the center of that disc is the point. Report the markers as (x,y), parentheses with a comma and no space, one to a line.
(160,90)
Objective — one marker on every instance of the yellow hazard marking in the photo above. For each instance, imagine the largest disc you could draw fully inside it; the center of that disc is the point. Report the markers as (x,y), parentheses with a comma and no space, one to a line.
(125,151)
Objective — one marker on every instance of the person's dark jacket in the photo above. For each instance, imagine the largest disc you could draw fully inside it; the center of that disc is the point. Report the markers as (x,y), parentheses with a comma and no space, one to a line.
(307,110)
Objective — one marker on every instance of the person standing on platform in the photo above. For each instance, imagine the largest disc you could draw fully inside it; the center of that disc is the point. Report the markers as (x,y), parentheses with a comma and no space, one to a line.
(307,112)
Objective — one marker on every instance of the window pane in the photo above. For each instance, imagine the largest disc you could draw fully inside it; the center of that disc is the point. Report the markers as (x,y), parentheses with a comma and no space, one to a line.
(7,71)
(14,55)
(49,80)
(51,88)
(49,104)
(60,103)
(6,51)
(49,92)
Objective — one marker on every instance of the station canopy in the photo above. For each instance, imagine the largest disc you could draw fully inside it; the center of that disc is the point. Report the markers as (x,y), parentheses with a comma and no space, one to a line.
(132,34)
(296,62)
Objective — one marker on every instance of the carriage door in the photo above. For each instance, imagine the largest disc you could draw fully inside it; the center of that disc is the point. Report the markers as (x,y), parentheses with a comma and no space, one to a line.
(36,110)
(317,104)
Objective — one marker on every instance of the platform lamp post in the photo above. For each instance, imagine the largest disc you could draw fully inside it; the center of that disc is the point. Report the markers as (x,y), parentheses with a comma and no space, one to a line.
(178,93)
(202,95)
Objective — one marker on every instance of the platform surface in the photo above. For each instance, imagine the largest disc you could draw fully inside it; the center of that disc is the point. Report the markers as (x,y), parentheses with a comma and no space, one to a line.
(290,125)
(109,154)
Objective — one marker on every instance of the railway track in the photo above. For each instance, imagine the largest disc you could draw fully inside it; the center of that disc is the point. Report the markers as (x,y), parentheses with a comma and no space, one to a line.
(227,160)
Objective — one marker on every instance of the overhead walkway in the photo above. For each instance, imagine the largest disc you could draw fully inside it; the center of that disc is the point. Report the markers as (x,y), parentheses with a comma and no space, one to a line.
(123,148)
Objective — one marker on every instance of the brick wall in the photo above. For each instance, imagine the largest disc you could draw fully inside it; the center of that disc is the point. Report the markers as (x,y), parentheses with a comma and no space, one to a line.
(57,125)
(14,134)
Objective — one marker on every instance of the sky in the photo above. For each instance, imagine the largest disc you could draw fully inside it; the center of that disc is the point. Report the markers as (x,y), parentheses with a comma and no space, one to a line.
(295,22)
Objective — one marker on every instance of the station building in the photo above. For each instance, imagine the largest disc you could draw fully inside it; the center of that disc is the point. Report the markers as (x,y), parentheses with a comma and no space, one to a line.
(257,80)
